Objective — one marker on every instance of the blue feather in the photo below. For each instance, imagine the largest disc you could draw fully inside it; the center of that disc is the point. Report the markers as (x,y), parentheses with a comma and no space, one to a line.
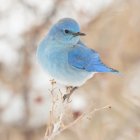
(87,59)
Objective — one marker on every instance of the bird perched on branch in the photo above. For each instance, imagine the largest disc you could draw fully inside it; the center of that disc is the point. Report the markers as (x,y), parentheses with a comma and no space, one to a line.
(66,58)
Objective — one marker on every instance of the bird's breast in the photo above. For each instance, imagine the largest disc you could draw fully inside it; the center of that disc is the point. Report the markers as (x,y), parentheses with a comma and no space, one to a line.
(55,62)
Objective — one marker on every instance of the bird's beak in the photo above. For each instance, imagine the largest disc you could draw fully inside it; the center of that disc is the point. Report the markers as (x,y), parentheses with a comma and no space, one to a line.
(79,34)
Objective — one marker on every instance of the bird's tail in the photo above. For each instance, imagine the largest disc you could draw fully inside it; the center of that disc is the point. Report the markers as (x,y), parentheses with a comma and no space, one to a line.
(102,68)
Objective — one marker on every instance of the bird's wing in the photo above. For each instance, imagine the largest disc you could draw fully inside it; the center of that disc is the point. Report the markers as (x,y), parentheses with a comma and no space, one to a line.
(87,59)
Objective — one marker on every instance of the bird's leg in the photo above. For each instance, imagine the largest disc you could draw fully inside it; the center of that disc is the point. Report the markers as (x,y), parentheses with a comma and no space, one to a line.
(69,90)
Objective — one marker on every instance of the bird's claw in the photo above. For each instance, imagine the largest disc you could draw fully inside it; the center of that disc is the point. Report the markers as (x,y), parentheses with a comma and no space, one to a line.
(67,97)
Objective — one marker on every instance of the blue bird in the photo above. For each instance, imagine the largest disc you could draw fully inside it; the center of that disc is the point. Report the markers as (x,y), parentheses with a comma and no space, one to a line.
(66,58)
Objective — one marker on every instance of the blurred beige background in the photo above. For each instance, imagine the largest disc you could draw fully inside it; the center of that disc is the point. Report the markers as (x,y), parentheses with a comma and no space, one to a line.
(112,28)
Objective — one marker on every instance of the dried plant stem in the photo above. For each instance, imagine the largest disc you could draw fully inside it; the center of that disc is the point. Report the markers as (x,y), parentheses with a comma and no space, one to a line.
(56,125)
(82,116)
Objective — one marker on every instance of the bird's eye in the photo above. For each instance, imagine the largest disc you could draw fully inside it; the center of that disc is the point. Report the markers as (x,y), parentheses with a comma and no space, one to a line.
(66,31)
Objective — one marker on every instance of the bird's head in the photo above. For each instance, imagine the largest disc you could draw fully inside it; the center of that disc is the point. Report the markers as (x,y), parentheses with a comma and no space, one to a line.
(66,31)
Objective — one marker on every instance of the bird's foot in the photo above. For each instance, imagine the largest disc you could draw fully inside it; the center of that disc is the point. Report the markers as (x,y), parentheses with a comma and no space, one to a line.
(67,97)
(69,91)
